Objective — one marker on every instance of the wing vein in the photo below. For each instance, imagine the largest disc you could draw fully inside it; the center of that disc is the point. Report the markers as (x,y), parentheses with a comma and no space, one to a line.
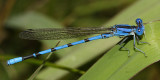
(61,33)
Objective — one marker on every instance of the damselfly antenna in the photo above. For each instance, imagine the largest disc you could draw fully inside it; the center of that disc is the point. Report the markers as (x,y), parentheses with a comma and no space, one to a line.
(151,22)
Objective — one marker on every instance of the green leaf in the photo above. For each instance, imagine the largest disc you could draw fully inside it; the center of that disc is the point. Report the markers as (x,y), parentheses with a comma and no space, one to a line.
(116,65)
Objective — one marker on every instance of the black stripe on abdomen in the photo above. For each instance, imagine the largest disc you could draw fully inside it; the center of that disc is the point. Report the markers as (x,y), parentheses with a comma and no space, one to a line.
(86,40)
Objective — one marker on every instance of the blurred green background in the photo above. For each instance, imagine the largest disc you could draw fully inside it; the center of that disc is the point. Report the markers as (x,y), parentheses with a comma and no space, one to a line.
(70,63)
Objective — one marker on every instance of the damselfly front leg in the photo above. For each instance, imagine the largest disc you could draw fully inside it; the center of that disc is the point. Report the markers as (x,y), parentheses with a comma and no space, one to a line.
(141,41)
(134,44)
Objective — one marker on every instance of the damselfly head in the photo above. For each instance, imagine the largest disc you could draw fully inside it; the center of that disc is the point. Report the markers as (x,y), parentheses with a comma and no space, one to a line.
(140,27)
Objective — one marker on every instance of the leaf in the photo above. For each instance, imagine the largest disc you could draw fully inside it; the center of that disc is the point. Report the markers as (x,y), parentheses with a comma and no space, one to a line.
(115,65)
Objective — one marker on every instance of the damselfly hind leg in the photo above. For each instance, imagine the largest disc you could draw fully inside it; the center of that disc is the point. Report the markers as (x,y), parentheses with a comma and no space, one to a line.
(134,38)
(122,46)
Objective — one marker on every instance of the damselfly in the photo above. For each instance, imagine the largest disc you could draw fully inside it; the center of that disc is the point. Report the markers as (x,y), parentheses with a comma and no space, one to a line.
(120,30)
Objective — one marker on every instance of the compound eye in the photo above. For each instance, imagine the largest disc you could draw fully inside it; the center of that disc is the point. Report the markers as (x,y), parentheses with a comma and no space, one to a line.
(139,30)
(138,20)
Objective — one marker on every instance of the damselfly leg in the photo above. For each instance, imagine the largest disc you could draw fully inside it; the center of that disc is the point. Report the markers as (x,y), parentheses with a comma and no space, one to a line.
(134,38)
(122,46)
(140,42)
